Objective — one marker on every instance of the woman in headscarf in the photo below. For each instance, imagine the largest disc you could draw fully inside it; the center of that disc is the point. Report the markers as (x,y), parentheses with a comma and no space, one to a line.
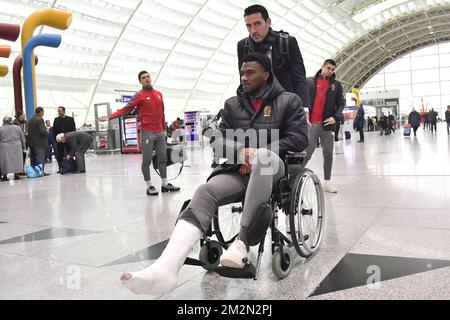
(21,121)
(12,142)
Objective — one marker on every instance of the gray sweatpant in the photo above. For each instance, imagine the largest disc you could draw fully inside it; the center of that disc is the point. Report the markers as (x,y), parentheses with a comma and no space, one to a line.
(326,139)
(266,170)
(150,141)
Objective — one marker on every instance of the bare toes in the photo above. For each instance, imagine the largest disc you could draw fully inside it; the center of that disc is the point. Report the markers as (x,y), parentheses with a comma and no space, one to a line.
(125,276)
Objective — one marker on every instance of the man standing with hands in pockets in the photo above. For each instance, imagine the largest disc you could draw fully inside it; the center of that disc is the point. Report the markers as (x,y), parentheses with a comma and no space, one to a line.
(327,103)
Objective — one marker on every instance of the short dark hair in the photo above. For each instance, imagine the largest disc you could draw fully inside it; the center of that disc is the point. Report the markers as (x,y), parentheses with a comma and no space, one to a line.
(38,110)
(64,109)
(330,61)
(262,59)
(18,113)
(256,8)
(141,73)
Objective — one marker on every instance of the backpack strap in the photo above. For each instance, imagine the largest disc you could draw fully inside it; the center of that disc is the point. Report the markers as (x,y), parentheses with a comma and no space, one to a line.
(284,47)
(179,172)
(245,49)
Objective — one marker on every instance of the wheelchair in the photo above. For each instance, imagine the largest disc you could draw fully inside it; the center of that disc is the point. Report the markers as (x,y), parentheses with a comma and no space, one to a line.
(299,196)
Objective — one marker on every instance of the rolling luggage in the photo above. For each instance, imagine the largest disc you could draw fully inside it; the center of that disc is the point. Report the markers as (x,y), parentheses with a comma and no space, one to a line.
(407,132)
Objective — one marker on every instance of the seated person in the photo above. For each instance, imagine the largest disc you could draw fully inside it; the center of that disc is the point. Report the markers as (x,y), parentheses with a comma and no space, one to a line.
(251,171)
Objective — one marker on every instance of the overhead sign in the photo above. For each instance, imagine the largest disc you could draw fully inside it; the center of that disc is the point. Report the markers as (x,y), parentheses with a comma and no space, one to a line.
(126,99)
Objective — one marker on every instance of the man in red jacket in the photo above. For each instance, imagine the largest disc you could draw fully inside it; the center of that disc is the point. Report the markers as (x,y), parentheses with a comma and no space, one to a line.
(150,106)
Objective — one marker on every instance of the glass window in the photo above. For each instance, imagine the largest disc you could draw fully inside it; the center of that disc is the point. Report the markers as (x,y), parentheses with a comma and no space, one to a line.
(445,100)
(402,64)
(373,89)
(405,90)
(430,76)
(425,51)
(376,81)
(419,76)
(406,103)
(444,47)
(445,87)
(431,102)
(444,74)
(426,89)
(416,102)
(397,78)
(424,62)
(444,60)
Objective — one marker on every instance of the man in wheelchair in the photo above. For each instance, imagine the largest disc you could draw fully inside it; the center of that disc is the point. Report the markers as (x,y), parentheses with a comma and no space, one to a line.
(259,126)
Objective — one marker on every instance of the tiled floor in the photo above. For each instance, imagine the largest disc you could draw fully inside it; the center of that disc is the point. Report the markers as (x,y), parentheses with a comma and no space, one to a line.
(71,236)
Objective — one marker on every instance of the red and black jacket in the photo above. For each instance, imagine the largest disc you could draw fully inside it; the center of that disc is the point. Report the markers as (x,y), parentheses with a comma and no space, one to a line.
(150,106)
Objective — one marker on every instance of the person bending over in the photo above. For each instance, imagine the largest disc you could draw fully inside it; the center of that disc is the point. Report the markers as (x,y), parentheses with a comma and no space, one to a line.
(79,143)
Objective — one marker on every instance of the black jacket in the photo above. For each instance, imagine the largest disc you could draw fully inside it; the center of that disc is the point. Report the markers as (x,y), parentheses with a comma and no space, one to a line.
(63,125)
(335,101)
(447,116)
(358,122)
(293,76)
(37,133)
(414,119)
(433,116)
(280,110)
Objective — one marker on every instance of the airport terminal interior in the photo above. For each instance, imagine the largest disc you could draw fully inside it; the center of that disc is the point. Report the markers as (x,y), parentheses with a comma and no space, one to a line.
(385,233)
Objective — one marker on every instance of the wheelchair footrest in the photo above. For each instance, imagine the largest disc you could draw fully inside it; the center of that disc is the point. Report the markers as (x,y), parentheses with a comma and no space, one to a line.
(248,272)
(193,262)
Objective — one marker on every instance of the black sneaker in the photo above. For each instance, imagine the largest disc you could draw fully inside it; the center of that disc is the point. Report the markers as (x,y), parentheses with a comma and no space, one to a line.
(151,191)
(169,188)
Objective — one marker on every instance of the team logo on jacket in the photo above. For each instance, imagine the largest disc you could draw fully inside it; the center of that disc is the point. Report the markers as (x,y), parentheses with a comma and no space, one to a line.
(267,111)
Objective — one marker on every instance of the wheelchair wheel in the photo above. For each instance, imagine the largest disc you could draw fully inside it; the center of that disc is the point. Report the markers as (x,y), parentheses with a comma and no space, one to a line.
(227,223)
(307,213)
(210,255)
(281,268)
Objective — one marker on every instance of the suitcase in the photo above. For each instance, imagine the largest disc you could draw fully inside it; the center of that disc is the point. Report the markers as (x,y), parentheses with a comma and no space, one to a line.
(347,135)
(407,132)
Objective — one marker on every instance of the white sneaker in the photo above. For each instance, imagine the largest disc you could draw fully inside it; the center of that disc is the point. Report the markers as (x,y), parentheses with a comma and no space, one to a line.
(327,187)
(234,255)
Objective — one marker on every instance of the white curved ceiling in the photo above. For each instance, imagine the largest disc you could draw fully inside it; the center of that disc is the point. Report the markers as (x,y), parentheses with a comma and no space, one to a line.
(189,46)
